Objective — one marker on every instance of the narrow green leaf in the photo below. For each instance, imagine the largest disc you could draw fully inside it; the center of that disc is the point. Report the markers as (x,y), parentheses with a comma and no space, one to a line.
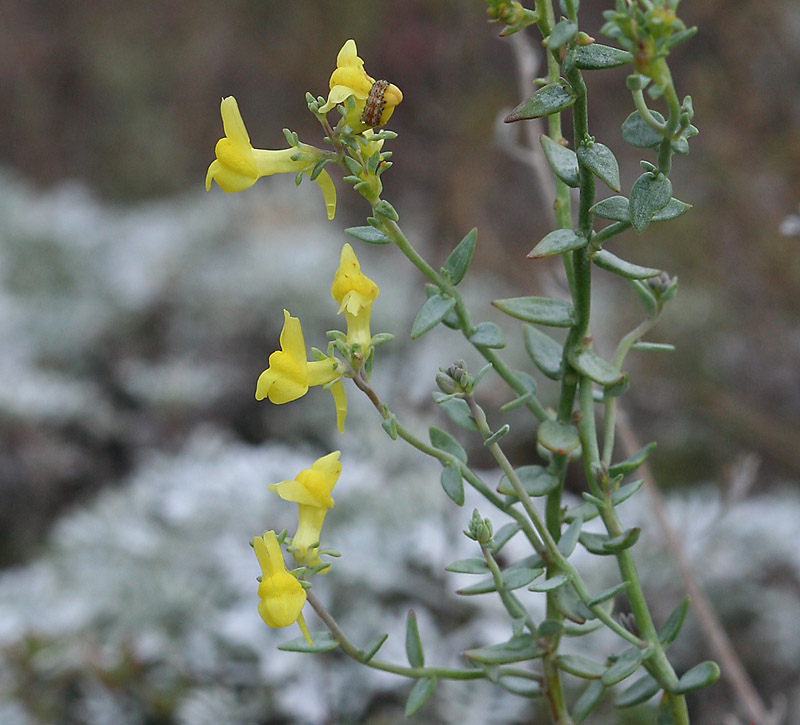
(569,539)
(473,565)
(672,210)
(452,484)
(607,594)
(323,642)
(646,296)
(653,346)
(563,32)
(556,242)
(372,647)
(669,631)
(370,235)
(416,657)
(640,691)
(562,160)
(422,690)
(624,541)
(703,675)
(451,318)
(595,543)
(511,578)
(545,352)
(591,365)
(542,310)
(611,263)
(566,600)
(650,193)
(581,666)
(623,494)
(497,435)
(457,410)
(504,535)
(459,260)
(487,334)
(629,465)
(520,686)
(597,57)
(587,511)
(443,441)
(626,664)
(561,438)
(600,160)
(615,208)
(551,584)
(549,99)
(534,479)
(431,314)
(517,649)
(589,699)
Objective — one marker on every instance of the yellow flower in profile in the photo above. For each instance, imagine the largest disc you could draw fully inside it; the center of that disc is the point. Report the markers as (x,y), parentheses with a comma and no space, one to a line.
(281,596)
(311,491)
(354,292)
(290,374)
(375,100)
(238,165)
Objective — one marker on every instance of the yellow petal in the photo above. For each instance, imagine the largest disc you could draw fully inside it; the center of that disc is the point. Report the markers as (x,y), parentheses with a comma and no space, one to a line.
(348,56)
(286,379)
(329,466)
(302,624)
(234,126)
(269,162)
(282,600)
(328,192)
(321,372)
(268,553)
(355,79)
(340,401)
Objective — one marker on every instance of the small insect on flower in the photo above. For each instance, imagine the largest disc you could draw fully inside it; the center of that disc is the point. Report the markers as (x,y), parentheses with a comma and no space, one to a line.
(373,108)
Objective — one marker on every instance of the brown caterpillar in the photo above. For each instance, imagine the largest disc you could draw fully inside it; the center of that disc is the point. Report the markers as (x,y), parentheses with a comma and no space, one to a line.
(373,108)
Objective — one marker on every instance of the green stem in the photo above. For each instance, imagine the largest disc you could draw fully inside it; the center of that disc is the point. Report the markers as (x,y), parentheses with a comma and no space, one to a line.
(511,603)
(646,114)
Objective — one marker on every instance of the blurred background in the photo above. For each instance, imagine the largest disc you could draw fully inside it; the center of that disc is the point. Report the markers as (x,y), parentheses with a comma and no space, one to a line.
(137,310)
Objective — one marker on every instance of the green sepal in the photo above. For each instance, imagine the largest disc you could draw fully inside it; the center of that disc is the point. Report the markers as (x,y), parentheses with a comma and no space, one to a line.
(416,657)
(390,426)
(670,629)
(453,484)
(473,565)
(551,584)
(600,160)
(557,242)
(650,193)
(457,410)
(369,234)
(598,57)
(703,675)
(569,539)
(372,647)
(588,701)
(504,535)
(443,441)
(550,99)
(488,334)
(563,161)
(534,479)
(607,594)
(545,352)
(541,310)
(512,578)
(459,260)
(323,642)
(640,691)
(646,296)
(561,438)
(580,666)
(422,690)
(629,465)
(517,649)
(431,314)
(611,263)
(591,365)
(497,435)
(624,666)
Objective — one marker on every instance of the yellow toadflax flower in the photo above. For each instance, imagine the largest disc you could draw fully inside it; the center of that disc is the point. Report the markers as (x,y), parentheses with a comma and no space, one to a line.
(311,491)
(375,100)
(290,374)
(354,292)
(238,165)
(281,596)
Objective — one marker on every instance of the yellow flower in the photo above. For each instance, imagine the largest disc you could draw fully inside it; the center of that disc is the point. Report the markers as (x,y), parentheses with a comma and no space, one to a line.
(375,101)
(281,596)
(289,374)
(354,292)
(311,491)
(238,165)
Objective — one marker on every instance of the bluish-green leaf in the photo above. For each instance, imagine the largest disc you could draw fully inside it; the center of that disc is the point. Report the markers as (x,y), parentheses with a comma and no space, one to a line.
(591,365)
(672,210)
(629,465)
(652,346)
(520,686)
(504,535)
(451,318)
(551,584)
(640,691)
(589,700)
(487,334)
(370,235)
(611,263)
(703,675)
(614,208)
(416,657)
(566,600)
(636,131)
(452,484)
(650,193)
(473,565)
(600,160)
(604,545)
(534,479)
(625,492)
(545,352)
(459,260)
(431,314)
(626,664)
(646,296)
(597,57)
(511,578)
(541,310)
(457,410)
(372,647)
(549,99)
(569,539)
(561,438)
(442,440)
(390,426)
(607,594)
(422,690)
(581,666)
(556,242)
(669,631)
(323,642)
(517,649)
(562,160)
(563,32)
